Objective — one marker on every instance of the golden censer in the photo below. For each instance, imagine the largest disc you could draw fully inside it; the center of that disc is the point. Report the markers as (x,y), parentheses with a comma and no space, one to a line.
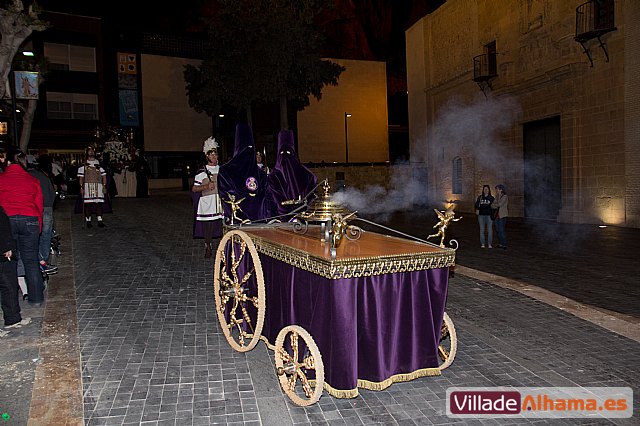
(331,217)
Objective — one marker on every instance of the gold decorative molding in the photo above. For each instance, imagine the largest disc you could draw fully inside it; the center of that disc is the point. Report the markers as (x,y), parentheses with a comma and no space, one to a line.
(354,267)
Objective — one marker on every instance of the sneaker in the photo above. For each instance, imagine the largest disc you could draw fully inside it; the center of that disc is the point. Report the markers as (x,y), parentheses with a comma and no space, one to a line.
(25,321)
(490,246)
(100,224)
(482,246)
(48,269)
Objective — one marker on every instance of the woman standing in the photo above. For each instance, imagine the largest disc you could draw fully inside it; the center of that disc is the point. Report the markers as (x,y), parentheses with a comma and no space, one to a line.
(502,204)
(483,210)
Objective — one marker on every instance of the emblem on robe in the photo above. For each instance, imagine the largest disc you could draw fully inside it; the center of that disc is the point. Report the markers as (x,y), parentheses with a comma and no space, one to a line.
(251,184)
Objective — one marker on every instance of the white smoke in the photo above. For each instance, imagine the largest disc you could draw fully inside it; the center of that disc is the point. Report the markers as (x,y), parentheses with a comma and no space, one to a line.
(471,129)
(378,201)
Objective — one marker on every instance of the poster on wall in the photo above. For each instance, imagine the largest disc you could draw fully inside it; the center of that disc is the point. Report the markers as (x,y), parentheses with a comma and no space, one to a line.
(26,84)
(128,108)
(127,63)
(127,71)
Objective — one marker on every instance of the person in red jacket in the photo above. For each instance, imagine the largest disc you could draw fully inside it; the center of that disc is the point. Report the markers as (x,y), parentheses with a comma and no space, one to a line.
(21,199)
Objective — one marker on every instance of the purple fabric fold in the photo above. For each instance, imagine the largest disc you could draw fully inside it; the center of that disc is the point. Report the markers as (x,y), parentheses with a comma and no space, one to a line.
(242,178)
(289,179)
(368,328)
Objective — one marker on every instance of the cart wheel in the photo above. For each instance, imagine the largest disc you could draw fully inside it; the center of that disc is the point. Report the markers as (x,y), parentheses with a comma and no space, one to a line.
(239,290)
(448,343)
(293,364)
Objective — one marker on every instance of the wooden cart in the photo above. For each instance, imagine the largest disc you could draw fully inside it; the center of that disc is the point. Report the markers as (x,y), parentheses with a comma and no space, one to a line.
(366,316)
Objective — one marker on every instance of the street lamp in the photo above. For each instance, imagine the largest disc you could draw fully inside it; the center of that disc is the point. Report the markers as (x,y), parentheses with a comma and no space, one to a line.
(346,137)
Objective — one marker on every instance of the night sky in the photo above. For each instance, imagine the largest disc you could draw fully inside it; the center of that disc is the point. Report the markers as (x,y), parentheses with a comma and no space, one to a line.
(355,29)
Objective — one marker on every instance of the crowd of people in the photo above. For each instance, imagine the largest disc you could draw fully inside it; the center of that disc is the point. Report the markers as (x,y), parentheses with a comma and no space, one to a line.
(29,188)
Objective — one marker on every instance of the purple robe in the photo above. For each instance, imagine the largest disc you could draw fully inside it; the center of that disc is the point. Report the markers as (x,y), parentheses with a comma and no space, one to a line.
(289,179)
(242,178)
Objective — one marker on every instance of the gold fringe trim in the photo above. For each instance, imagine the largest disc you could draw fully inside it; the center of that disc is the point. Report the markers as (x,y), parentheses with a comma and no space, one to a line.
(378,386)
(366,384)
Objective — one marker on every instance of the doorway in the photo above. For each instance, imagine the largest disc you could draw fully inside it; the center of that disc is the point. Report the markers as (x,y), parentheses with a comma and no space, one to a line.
(542,169)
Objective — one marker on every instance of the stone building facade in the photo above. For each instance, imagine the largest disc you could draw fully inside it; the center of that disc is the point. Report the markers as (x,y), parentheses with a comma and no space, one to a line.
(562,133)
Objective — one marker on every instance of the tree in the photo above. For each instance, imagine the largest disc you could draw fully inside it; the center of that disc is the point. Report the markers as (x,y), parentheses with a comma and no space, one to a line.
(261,50)
(16,26)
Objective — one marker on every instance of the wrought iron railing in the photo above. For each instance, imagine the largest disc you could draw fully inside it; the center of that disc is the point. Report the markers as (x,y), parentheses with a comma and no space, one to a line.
(594,18)
(485,67)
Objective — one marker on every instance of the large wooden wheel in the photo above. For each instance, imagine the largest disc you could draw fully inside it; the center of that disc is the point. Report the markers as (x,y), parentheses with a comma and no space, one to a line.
(448,343)
(239,290)
(298,359)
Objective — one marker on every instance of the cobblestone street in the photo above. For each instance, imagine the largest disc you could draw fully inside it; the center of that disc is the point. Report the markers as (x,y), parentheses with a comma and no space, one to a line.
(148,348)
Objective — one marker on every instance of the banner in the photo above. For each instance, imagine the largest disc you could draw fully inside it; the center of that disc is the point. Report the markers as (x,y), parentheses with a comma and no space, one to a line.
(26,84)
(129,108)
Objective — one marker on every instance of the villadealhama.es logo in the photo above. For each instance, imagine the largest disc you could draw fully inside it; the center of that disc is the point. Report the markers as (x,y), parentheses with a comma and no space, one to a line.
(549,402)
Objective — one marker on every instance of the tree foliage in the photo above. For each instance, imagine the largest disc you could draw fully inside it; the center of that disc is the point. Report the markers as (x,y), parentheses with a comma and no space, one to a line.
(16,25)
(261,50)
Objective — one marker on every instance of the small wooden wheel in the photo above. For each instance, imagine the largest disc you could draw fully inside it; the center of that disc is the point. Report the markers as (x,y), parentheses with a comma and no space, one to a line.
(448,343)
(239,292)
(296,360)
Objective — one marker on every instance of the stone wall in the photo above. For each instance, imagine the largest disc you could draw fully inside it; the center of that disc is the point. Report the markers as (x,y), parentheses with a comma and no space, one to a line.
(542,73)
(632,111)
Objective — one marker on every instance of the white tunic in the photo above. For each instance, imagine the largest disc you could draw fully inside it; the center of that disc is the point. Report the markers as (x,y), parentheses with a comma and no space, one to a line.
(93,192)
(209,206)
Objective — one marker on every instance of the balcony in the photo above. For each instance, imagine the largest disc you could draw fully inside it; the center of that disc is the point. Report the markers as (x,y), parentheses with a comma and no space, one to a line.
(594,19)
(484,67)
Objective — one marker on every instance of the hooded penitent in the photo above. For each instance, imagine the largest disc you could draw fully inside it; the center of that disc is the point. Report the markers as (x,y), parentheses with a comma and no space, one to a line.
(244,180)
(289,179)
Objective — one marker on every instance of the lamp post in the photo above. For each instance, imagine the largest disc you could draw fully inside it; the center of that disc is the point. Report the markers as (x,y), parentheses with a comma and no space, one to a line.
(346,137)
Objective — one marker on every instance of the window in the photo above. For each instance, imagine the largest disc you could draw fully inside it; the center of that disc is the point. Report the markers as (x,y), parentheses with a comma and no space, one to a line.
(456,181)
(65,57)
(72,106)
(492,60)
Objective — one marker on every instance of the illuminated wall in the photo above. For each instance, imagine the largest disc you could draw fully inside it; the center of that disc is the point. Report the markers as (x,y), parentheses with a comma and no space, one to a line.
(361,92)
(542,73)
(169,123)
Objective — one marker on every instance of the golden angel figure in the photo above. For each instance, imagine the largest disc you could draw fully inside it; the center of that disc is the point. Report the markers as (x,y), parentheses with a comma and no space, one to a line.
(445,217)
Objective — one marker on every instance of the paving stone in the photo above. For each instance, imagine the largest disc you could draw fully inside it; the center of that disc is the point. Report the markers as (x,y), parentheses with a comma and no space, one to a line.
(152,352)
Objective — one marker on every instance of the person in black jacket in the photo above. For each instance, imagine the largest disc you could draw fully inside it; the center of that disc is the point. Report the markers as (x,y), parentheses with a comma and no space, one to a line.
(48,199)
(9,276)
(483,210)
